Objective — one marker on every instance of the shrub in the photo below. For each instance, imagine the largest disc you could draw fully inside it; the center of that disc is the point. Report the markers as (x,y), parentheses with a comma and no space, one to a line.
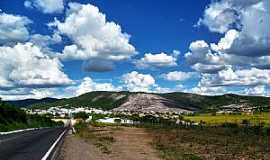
(229,125)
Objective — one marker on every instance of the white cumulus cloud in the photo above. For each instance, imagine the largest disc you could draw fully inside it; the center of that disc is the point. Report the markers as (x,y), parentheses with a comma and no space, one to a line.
(25,65)
(137,82)
(235,77)
(89,85)
(93,35)
(27,93)
(46,6)
(13,28)
(157,60)
(179,76)
(246,24)
(259,90)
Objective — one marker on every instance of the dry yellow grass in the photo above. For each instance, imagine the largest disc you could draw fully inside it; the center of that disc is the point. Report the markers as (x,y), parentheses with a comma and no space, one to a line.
(209,119)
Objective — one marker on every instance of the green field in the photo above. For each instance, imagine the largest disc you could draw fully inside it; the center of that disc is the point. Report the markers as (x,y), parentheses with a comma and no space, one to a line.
(253,119)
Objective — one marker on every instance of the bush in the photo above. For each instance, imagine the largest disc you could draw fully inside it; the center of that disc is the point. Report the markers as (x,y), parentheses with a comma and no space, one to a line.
(79,126)
(81,115)
(245,122)
(229,125)
(12,118)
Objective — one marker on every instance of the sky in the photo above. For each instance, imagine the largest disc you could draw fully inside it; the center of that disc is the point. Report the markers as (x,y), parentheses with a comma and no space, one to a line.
(65,48)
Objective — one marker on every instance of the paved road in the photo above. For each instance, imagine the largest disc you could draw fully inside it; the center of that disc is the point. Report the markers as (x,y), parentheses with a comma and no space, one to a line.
(29,145)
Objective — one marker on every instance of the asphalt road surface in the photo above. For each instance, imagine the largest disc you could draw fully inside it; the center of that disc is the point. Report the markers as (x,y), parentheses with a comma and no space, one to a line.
(28,145)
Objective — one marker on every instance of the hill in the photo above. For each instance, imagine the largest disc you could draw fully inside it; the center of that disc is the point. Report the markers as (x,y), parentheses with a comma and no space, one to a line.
(147,103)
(134,101)
(12,118)
(205,103)
(104,100)
(29,102)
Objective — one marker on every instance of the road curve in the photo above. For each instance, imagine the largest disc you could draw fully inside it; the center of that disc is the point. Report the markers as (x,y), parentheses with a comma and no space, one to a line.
(29,145)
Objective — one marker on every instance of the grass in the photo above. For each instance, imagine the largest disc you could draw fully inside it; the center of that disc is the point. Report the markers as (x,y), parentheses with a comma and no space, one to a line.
(196,143)
(223,137)
(253,119)
(96,135)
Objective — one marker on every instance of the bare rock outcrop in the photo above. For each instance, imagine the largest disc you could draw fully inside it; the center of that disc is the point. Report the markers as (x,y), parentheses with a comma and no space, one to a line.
(146,103)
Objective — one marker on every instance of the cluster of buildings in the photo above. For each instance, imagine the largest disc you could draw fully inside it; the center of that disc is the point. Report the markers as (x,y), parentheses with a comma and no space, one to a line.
(65,115)
(63,112)
(234,108)
(164,115)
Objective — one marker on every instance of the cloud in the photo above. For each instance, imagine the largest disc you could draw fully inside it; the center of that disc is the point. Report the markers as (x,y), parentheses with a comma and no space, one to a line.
(98,65)
(179,76)
(93,35)
(25,65)
(207,68)
(13,28)
(45,40)
(226,42)
(259,90)
(219,17)
(27,93)
(242,77)
(202,59)
(89,85)
(247,33)
(207,90)
(159,89)
(157,60)
(198,50)
(137,82)
(46,6)
(206,58)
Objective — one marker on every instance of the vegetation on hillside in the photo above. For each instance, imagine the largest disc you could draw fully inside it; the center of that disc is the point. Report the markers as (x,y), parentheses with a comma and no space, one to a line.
(29,102)
(99,99)
(109,100)
(212,103)
(12,118)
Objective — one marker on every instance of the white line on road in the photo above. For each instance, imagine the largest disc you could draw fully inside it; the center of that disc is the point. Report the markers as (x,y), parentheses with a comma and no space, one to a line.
(21,130)
(18,131)
(52,147)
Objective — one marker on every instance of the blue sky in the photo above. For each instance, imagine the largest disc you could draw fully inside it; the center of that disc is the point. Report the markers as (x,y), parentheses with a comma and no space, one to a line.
(63,48)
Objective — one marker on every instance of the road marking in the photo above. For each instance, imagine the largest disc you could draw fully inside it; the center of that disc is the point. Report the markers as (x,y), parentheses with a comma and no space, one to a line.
(17,131)
(52,147)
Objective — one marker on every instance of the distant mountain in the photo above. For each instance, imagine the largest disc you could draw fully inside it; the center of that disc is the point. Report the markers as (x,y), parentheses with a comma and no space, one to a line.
(29,102)
(207,103)
(149,101)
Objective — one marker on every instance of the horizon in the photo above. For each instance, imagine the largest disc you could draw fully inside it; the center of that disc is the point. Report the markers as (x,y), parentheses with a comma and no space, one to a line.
(65,48)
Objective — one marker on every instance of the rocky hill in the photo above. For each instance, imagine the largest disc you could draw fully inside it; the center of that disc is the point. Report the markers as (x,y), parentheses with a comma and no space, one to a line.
(142,102)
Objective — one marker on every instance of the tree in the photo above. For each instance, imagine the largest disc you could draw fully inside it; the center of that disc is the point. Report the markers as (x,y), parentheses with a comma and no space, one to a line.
(81,115)
(117,120)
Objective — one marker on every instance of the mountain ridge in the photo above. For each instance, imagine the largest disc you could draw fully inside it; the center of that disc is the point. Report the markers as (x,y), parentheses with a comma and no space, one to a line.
(187,101)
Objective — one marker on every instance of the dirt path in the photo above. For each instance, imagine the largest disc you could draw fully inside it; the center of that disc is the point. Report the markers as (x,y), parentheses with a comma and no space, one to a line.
(75,148)
(130,144)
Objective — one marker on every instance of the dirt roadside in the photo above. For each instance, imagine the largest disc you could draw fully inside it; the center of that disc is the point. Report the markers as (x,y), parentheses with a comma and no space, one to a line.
(129,144)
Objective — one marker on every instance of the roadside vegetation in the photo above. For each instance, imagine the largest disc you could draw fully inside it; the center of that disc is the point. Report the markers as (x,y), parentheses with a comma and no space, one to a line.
(12,118)
(97,135)
(232,136)
(222,142)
